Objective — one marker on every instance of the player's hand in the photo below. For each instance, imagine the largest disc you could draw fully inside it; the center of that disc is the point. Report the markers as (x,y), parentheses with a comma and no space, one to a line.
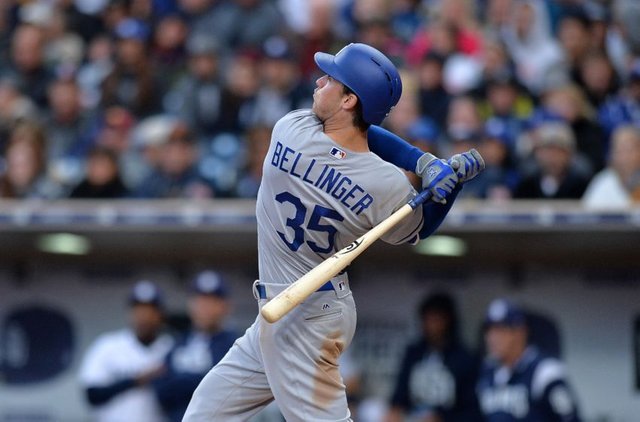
(467,165)
(150,375)
(437,176)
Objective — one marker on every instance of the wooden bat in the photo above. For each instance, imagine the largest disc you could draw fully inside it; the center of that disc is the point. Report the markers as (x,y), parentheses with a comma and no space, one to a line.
(302,288)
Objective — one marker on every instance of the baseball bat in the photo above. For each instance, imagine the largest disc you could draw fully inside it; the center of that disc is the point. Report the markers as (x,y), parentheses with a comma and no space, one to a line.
(302,288)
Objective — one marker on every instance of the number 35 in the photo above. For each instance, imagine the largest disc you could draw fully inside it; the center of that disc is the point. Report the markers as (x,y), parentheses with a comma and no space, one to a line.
(314,224)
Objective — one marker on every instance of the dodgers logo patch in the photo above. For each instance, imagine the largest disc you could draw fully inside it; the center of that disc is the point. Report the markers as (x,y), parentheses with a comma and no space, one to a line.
(337,153)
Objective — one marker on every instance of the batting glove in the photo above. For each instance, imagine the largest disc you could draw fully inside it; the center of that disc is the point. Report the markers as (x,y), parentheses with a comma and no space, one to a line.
(437,176)
(467,165)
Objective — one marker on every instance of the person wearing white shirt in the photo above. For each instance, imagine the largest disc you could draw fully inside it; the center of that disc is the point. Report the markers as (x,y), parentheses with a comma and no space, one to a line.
(119,365)
(618,185)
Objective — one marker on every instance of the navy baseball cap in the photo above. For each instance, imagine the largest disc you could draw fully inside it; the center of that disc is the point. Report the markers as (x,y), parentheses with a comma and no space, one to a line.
(146,292)
(504,312)
(211,283)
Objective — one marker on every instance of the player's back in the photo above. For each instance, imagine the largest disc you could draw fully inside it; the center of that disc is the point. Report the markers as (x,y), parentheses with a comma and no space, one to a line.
(317,197)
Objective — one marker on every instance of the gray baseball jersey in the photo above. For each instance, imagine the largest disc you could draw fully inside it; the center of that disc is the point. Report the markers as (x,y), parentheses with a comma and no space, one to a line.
(315,198)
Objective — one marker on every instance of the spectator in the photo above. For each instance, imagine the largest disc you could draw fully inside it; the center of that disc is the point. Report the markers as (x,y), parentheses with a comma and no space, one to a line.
(574,34)
(437,374)
(599,79)
(64,49)
(177,173)
(241,84)
(503,100)
(197,97)
(282,88)
(69,131)
(518,382)
(406,121)
(555,174)
(618,185)
(14,106)
(464,125)
(118,367)
(98,65)
(102,180)
(147,143)
(569,103)
(132,84)
(26,167)
(434,98)
(538,57)
(500,177)
(496,62)
(168,49)
(27,67)
(200,349)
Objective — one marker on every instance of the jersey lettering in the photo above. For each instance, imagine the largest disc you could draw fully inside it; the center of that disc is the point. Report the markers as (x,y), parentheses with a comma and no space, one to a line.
(512,400)
(314,224)
(323,177)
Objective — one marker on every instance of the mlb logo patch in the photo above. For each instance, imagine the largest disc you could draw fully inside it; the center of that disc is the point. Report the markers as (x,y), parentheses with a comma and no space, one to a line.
(337,153)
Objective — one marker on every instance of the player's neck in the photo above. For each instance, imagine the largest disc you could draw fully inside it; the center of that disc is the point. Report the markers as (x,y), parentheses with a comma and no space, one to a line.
(347,136)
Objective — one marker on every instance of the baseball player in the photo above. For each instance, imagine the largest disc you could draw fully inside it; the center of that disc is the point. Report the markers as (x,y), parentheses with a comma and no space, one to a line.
(518,382)
(119,365)
(325,183)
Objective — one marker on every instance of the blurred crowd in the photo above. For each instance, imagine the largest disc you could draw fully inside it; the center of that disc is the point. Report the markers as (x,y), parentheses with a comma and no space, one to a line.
(177,98)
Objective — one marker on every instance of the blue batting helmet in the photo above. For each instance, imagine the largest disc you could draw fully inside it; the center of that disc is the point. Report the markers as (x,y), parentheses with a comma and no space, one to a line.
(369,74)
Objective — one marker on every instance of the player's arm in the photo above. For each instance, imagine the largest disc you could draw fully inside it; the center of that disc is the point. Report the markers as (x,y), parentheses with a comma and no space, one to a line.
(97,396)
(436,173)
(176,388)
(393,149)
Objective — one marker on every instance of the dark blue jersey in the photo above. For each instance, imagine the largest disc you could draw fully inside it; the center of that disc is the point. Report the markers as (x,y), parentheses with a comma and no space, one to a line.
(535,390)
(187,363)
(437,382)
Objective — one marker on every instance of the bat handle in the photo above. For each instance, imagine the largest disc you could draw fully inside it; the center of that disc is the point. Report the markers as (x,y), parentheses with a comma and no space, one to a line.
(420,199)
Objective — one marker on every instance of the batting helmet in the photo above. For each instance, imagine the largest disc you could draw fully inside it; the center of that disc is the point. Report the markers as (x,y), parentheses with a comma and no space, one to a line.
(369,74)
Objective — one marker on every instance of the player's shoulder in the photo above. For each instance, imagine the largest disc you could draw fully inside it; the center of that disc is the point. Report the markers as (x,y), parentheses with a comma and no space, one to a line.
(547,371)
(303,118)
(116,338)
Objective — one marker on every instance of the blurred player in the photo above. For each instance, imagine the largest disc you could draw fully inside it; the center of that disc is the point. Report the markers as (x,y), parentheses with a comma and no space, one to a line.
(119,365)
(438,373)
(518,383)
(324,184)
(200,349)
